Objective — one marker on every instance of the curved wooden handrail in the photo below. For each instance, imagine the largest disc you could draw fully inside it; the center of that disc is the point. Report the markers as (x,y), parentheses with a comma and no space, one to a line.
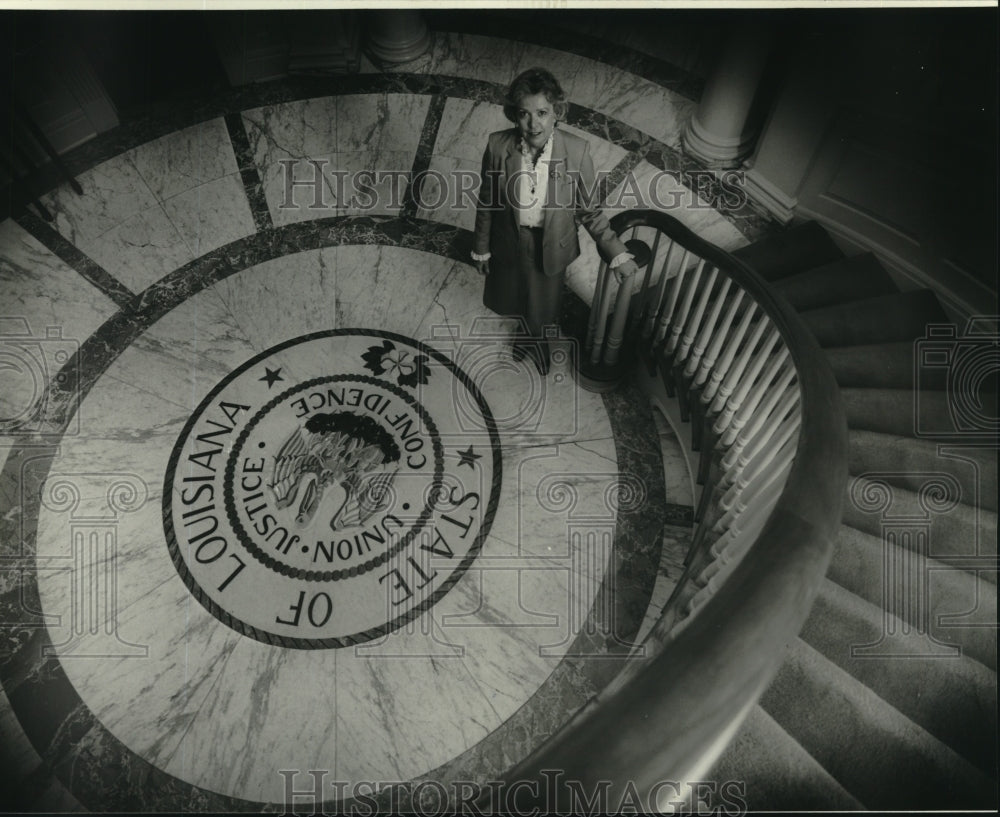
(669,717)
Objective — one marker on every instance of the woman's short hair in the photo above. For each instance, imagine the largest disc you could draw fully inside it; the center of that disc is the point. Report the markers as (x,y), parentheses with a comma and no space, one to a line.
(535,81)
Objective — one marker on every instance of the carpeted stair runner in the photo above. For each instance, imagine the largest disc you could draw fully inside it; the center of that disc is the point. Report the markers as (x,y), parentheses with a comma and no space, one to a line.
(904,413)
(882,319)
(906,731)
(863,742)
(858,565)
(963,530)
(882,365)
(776,770)
(800,248)
(842,626)
(843,280)
(906,461)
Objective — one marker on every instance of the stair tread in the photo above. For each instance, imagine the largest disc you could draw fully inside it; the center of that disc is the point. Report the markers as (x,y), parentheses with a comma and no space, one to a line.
(882,365)
(921,413)
(846,279)
(954,699)
(832,714)
(879,319)
(777,772)
(954,529)
(905,461)
(791,251)
(962,607)
(911,298)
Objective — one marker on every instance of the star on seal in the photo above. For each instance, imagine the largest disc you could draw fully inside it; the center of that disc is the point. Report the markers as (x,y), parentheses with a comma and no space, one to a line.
(468,457)
(272,376)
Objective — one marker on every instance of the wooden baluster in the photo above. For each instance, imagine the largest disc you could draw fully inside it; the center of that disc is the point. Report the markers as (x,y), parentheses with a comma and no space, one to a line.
(787,431)
(735,502)
(601,316)
(731,545)
(707,334)
(617,331)
(639,316)
(711,357)
(763,435)
(758,418)
(756,393)
(659,308)
(687,338)
(668,318)
(694,323)
(682,312)
(788,416)
(595,305)
(734,543)
(738,537)
(712,366)
(749,484)
(723,367)
(742,374)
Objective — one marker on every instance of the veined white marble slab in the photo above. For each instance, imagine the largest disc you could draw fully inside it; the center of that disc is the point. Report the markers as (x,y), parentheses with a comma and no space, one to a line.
(48,310)
(185,159)
(325,135)
(139,250)
(114,191)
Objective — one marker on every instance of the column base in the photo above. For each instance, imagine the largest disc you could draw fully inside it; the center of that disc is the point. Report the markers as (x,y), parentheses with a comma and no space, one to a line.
(714,151)
(778,203)
(395,37)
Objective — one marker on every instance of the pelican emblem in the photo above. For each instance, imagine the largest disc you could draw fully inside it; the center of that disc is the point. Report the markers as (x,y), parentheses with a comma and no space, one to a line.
(342,449)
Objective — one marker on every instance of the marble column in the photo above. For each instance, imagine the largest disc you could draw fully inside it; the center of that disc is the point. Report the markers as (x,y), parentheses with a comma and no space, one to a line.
(723,130)
(396,36)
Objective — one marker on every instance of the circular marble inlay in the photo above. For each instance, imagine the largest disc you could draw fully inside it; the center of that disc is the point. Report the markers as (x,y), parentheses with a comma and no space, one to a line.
(332,488)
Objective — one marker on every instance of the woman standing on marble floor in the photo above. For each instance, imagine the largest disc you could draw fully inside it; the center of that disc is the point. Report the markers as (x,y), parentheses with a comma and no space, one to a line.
(536,183)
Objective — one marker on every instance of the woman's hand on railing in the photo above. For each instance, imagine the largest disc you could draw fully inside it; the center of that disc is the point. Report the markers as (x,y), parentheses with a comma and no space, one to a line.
(625,270)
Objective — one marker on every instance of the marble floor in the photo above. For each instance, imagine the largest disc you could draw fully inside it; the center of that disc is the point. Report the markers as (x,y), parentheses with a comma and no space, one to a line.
(276,496)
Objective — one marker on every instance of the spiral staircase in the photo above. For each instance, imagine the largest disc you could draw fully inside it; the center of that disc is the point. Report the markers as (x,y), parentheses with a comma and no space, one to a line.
(916,726)
(885,696)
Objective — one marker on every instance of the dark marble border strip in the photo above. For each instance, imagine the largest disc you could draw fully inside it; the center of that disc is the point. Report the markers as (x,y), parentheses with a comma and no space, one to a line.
(425,150)
(74,257)
(190,110)
(80,750)
(618,174)
(248,171)
(537,32)
(679,515)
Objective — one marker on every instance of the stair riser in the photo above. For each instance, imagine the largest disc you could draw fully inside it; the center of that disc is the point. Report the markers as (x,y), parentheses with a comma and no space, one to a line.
(886,366)
(777,772)
(952,698)
(800,248)
(901,766)
(860,562)
(877,320)
(849,280)
(905,463)
(952,534)
(924,415)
